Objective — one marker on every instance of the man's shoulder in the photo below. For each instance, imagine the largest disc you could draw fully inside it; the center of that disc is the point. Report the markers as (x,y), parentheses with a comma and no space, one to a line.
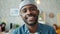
(45,26)
(18,30)
(15,31)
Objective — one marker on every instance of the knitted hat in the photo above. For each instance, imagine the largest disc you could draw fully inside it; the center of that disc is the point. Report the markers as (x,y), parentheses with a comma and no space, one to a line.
(26,2)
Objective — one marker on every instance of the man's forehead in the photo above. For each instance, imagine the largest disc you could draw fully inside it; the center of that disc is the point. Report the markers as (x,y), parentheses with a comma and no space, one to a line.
(28,6)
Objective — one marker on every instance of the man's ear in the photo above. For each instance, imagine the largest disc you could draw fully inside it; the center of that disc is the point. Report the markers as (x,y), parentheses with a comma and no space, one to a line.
(20,13)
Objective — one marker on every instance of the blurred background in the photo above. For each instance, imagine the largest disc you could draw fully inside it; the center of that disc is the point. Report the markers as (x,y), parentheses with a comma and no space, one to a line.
(49,13)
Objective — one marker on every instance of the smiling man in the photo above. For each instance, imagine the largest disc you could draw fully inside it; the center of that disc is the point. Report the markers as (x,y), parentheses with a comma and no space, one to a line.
(29,14)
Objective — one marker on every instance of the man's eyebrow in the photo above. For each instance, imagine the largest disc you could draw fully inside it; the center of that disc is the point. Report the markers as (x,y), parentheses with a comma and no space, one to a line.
(22,8)
(32,7)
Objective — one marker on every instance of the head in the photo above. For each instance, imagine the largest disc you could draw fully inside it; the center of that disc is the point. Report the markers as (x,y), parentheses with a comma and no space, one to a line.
(29,14)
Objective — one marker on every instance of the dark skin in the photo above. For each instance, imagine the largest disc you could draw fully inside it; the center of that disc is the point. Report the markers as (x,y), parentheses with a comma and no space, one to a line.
(29,14)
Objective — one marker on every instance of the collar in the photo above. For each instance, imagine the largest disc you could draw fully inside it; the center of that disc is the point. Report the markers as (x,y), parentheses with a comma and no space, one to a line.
(39,29)
(26,29)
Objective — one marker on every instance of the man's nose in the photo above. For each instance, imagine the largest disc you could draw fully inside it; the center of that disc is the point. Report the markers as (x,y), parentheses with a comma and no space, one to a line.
(29,12)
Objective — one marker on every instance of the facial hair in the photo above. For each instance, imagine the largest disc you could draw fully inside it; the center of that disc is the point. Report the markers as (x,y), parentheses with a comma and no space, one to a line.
(31,24)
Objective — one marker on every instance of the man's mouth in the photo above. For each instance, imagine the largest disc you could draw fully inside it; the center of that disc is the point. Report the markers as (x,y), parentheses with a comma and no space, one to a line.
(31,18)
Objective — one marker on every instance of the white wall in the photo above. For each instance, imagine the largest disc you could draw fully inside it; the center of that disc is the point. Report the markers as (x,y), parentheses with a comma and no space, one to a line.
(5,6)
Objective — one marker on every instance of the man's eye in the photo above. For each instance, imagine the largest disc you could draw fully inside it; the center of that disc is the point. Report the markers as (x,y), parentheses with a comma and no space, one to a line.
(23,11)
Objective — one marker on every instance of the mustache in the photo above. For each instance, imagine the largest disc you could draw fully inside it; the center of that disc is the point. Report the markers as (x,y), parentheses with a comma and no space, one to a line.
(30,15)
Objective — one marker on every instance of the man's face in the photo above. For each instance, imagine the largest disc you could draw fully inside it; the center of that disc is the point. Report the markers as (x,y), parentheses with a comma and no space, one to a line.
(29,13)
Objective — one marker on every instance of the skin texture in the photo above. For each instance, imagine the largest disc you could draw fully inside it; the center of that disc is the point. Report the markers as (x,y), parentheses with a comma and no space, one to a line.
(29,14)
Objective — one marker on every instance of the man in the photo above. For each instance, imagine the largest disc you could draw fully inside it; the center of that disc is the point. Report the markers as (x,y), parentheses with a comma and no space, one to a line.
(29,14)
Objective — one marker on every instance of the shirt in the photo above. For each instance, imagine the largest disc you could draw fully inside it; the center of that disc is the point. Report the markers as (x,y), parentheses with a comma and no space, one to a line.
(42,29)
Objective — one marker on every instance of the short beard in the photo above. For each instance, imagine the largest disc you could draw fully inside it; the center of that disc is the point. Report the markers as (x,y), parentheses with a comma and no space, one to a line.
(32,24)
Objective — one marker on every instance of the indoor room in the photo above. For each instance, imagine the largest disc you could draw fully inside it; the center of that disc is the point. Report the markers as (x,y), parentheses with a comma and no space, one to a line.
(49,14)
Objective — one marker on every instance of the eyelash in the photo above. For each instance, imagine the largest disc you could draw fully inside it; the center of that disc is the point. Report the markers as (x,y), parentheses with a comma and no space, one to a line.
(24,11)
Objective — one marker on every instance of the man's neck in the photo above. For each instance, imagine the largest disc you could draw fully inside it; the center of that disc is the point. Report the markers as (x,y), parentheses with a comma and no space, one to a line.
(32,29)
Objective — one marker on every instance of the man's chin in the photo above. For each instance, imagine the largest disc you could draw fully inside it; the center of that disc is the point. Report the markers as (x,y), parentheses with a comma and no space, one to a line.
(31,23)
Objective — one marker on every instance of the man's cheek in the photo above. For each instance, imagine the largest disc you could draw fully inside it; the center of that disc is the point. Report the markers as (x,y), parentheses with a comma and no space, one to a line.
(35,13)
(24,17)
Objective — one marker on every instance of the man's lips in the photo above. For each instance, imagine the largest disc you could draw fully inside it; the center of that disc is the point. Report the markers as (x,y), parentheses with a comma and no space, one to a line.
(31,16)
(31,19)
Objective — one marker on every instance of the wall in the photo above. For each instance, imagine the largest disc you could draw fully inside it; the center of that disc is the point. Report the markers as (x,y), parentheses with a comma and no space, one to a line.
(58,19)
(49,6)
(5,6)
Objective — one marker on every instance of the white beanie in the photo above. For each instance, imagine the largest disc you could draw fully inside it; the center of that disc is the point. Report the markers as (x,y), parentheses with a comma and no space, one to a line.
(26,2)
